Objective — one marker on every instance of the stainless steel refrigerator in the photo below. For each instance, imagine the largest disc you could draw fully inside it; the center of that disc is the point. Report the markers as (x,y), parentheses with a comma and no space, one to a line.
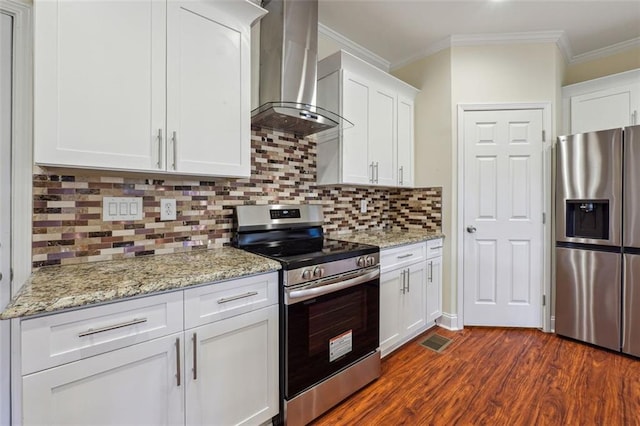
(598,238)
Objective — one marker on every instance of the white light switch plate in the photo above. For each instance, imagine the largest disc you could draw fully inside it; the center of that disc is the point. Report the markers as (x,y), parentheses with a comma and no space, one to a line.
(167,209)
(121,208)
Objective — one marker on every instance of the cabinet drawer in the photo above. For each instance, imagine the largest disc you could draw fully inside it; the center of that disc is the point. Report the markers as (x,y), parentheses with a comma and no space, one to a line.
(229,298)
(434,248)
(401,256)
(61,338)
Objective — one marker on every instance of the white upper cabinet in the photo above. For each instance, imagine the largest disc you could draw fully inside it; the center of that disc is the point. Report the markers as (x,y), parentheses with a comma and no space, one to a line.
(405,141)
(603,103)
(144,85)
(378,148)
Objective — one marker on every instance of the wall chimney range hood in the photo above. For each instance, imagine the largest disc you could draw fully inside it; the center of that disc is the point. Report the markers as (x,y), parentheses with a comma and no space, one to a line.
(288,71)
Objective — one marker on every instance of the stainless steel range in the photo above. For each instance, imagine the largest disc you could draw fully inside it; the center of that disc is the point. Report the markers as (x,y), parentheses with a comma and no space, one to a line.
(330,306)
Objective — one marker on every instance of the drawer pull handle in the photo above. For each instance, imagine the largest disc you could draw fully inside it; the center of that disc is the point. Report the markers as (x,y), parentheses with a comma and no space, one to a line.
(404,256)
(91,331)
(435,248)
(240,296)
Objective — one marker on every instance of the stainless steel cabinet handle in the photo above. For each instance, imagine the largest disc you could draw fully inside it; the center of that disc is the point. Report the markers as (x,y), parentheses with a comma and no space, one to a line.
(401,178)
(377,172)
(372,178)
(471,229)
(178,375)
(174,140)
(159,149)
(91,331)
(240,296)
(430,272)
(404,256)
(404,284)
(195,356)
(435,248)
(634,117)
(408,280)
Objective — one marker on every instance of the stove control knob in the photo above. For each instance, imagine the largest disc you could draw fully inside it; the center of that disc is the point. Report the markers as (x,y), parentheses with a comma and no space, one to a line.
(361,262)
(370,260)
(318,272)
(306,274)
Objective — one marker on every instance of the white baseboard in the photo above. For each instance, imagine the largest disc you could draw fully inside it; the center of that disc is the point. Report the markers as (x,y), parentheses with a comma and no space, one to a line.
(448,321)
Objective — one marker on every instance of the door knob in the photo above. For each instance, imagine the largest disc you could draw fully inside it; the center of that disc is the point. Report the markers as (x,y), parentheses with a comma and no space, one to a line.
(471,229)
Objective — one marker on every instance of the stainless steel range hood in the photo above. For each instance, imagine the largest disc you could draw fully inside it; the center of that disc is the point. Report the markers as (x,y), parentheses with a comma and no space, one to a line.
(288,70)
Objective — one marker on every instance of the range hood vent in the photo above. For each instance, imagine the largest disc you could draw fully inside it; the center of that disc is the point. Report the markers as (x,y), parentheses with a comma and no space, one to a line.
(288,71)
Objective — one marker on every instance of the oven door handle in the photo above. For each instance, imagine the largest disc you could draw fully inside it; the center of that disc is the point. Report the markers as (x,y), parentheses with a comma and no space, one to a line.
(331,288)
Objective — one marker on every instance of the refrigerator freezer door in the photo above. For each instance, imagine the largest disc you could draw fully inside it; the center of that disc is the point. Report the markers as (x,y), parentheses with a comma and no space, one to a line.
(631,235)
(589,174)
(588,296)
(631,309)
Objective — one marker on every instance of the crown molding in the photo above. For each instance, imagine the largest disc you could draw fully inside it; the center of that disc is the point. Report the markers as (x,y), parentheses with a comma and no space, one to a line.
(354,48)
(605,51)
(557,37)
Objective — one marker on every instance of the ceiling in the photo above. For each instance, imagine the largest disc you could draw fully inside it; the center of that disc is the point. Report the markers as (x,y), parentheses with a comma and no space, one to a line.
(400,31)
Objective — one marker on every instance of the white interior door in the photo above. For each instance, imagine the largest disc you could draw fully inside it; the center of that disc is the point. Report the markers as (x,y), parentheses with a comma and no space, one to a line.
(503,206)
(6,83)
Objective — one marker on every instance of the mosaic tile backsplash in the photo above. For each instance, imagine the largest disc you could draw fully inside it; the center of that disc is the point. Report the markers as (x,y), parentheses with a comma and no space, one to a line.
(67,206)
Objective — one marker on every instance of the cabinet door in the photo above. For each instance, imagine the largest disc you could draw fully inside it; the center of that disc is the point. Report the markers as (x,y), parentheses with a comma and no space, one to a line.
(99,83)
(391,314)
(232,370)
(356,94)
(136,385)
(405,142)
(208,81)
(382,136)
(605,109)
(415,299)
(434,289)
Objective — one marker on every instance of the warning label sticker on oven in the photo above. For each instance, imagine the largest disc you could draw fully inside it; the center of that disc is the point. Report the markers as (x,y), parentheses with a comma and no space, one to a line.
(340,345)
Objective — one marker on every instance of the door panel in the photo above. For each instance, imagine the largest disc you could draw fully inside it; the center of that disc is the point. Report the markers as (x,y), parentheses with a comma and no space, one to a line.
(116,69)
(631,308)
(356,101)
(588,296)
(503,201)
(589,168)
(631,194)
(205,72)
(383,137)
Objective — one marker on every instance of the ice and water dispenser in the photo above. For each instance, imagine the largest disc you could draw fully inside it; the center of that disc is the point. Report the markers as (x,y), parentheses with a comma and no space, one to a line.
(587,219)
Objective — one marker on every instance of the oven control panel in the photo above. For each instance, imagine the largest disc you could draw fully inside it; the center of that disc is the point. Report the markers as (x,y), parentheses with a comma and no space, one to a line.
(314,272)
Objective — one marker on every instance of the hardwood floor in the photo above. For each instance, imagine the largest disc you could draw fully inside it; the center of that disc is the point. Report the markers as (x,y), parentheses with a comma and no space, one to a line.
(497,376)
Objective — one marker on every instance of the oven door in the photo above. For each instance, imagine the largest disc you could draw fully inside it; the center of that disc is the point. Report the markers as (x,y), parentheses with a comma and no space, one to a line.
(326,332)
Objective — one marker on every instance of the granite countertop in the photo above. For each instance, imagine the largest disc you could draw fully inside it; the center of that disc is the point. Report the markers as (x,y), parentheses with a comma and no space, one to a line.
(54,288)
(388,238)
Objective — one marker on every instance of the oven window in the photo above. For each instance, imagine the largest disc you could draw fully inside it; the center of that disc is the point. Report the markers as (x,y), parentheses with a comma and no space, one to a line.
(347,313)
(328,333)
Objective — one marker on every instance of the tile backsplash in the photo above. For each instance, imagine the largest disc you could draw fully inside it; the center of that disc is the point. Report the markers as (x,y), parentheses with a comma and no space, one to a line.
(67,205)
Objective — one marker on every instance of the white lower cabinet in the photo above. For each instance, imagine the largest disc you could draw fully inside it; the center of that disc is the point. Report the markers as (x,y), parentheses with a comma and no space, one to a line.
(403,298)
(136,385)
(232,370)
(220,368)
(434,280)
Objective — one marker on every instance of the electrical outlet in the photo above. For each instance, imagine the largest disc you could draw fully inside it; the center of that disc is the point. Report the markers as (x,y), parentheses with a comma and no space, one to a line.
(363,206)
(167,209)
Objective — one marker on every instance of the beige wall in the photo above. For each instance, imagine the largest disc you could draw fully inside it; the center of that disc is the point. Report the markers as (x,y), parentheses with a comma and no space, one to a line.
(613,64)
(465,75)
(432,75)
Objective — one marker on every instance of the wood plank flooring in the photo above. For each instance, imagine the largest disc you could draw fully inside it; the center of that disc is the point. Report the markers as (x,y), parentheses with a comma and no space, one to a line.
(497,376)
